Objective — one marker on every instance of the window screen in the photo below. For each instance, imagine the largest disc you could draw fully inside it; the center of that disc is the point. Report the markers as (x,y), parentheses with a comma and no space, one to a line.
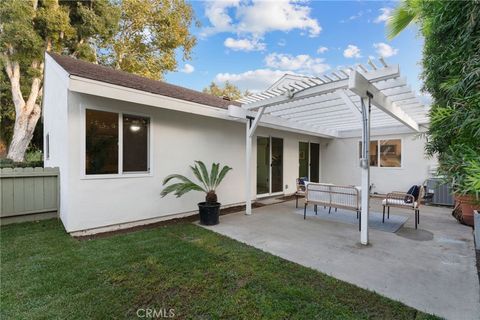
(135,143)
(101,142)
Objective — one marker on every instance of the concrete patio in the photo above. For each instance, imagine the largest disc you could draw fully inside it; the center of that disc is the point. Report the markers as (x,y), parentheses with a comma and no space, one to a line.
(431,269)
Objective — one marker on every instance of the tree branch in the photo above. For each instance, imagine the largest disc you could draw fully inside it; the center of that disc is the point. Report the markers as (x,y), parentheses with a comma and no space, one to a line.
(13,72)
(35,88)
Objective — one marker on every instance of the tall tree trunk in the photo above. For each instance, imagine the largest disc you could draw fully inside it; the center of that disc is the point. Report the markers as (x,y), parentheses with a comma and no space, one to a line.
(27,112)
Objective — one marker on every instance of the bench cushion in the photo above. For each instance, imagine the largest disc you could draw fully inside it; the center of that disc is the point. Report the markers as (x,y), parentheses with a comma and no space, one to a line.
(398,202)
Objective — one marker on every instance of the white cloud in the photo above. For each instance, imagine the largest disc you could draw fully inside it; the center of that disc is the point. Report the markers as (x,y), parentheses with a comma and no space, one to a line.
(244,44)
(322,50)
(259,17)
(385,14)
(187,68)
(352,52)
(253,80)
(282,43)
(384,50)
(302,63)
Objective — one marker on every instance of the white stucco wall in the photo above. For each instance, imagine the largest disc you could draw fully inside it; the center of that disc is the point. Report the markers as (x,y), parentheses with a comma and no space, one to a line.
(177,139)
(55,125)
(340,164)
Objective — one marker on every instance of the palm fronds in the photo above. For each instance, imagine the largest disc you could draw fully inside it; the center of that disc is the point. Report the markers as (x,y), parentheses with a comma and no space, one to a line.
(208,182)
(407,12)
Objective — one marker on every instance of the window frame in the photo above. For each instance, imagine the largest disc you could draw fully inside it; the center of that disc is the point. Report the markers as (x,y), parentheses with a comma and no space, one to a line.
(379,155)
(121,173)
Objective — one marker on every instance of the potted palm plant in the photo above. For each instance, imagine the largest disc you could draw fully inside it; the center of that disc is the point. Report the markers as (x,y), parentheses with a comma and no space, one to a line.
(210,209)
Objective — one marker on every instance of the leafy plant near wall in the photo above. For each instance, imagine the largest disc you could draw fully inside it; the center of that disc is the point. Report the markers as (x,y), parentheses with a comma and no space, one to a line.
(208,181)
(451,63)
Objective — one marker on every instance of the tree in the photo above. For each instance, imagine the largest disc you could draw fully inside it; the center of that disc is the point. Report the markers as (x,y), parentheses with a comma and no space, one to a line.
(138,36)
(150,34)
(229,91)
(28,28)
(451,74)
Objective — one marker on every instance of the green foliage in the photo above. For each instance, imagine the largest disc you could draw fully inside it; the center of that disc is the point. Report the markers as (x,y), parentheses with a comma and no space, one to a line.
(150,34)
(229,91)
(208,182)
(137,36)
(408,11)
(451,74)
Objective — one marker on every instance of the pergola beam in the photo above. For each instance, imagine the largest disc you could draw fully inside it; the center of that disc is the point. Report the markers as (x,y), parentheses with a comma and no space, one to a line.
(361,85)
(374,76)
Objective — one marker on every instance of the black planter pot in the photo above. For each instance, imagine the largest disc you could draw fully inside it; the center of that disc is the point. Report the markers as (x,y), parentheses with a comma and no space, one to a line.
(209,213)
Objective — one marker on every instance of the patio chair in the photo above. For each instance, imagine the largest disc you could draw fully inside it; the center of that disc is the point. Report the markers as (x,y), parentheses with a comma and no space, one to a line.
(300,191)
(404,200)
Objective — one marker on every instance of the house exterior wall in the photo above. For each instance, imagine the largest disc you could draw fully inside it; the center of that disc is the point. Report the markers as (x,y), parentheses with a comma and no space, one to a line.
(55,125)
(340,164)
(177,139)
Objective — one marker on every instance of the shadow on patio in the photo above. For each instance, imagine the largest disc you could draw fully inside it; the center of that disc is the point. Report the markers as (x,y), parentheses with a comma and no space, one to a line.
(431,269)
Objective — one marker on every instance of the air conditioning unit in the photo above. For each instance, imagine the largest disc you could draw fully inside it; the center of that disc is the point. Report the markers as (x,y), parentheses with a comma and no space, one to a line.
(441,192)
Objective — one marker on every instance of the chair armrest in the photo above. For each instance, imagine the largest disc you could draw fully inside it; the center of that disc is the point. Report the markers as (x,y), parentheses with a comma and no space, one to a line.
(400,196)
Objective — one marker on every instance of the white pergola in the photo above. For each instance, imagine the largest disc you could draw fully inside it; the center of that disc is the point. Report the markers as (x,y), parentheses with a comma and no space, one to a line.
(333,106)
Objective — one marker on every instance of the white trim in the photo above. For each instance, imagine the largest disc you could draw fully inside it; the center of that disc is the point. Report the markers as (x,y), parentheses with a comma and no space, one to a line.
(120,174)
(107,90)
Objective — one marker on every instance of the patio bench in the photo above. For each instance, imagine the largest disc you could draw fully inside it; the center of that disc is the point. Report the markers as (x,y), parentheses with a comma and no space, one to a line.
(330,195)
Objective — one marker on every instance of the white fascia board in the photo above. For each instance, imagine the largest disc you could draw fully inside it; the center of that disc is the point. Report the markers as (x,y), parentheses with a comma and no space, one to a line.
(378,131)
(107,90)
(360,85)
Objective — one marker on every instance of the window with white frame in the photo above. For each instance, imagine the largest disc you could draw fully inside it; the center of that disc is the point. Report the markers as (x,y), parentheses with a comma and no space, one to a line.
(107,134)
(384,153)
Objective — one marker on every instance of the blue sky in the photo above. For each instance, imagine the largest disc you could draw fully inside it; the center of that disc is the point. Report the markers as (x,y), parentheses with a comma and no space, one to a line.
(252,43)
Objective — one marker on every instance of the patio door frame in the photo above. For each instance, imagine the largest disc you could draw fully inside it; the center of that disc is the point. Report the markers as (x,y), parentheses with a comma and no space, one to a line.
(309,165)
(270,193)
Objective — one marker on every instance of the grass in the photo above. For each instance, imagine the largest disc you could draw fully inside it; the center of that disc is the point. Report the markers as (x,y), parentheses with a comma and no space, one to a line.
(46,274)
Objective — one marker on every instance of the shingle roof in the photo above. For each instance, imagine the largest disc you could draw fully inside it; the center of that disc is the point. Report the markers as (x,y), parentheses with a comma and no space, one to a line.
(105,74)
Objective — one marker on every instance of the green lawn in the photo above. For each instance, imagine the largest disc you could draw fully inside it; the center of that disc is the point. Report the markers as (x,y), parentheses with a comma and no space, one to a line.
(46,274)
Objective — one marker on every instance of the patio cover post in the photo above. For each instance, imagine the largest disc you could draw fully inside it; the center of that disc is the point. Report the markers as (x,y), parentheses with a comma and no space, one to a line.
(252,124)
(248,173)
(365,165)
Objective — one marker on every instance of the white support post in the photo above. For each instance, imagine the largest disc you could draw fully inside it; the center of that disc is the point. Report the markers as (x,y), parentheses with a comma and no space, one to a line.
(248,173)
(365,165)
(252,124)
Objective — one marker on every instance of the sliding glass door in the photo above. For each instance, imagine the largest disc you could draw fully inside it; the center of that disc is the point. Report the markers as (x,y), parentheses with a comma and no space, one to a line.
(263,165)
(309,161)
(269,165)
(277,165)
(303,159)
(314,162)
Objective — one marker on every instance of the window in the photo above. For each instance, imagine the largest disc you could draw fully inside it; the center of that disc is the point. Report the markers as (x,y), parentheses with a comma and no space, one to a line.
(47,146)
(373,152)
(135,143)
(106,136)
(391,153)
(384,153)
(101,142)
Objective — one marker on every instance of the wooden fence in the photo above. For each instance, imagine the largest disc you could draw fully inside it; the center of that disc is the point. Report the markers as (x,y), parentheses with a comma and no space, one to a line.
(28,194)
